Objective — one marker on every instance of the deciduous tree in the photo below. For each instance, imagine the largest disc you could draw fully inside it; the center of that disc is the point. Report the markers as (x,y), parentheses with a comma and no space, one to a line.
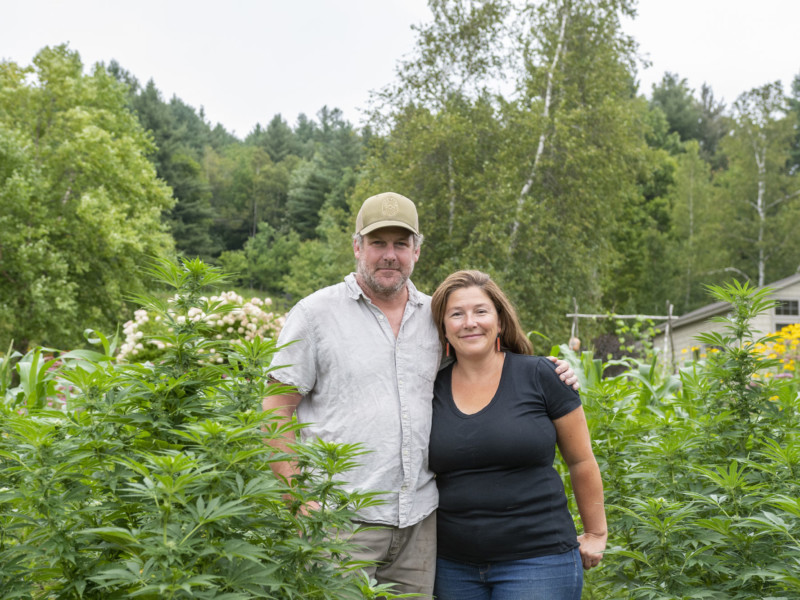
(80,204)
(759,197)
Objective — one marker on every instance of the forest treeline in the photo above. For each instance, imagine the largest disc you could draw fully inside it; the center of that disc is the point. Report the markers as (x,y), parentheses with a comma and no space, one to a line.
(517,128)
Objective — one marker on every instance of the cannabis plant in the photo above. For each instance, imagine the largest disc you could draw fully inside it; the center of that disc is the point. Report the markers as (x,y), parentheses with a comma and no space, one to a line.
(702,480)
(153,480)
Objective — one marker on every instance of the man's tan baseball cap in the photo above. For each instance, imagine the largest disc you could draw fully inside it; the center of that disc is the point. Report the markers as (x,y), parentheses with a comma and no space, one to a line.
(387,210)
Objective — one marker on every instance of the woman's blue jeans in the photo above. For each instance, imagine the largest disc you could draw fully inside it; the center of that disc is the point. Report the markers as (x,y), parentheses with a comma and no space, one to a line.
(553,577)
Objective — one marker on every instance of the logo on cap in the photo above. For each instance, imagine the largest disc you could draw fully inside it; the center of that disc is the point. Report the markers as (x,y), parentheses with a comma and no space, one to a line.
(390,207)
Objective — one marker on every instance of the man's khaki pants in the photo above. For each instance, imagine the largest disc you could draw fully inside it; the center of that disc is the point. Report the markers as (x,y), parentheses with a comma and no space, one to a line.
(404,556)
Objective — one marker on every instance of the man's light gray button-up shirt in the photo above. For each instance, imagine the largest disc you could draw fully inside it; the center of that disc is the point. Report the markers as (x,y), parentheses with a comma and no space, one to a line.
(361,384)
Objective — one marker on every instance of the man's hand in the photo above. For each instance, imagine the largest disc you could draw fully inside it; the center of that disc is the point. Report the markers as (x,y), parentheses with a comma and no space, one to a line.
(565,372)
(309,507)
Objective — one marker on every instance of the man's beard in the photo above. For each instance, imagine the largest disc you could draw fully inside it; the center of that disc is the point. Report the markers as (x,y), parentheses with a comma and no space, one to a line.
(378,287)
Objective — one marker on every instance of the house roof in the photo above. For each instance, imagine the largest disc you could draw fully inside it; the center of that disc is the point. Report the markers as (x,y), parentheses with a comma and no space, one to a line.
(712,310)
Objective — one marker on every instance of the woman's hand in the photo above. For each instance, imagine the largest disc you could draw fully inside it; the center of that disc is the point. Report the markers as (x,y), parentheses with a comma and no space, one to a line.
(592,547)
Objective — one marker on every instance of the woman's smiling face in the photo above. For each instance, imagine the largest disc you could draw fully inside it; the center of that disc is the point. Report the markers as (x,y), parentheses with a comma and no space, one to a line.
(471,323)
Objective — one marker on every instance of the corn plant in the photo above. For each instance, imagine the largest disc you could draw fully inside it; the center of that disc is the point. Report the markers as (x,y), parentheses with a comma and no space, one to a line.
(6,368)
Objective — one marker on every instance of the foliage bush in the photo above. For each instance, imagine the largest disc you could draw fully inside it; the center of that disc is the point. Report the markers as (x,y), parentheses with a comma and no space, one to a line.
(701,470)
(154,482)
(244,320)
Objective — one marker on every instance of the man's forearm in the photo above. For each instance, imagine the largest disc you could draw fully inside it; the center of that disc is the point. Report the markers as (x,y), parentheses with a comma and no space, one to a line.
(283,406)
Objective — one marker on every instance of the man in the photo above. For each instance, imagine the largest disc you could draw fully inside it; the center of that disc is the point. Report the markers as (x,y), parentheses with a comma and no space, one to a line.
(364,367)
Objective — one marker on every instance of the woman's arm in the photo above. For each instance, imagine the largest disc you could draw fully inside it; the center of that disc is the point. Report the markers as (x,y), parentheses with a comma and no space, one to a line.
(576,448)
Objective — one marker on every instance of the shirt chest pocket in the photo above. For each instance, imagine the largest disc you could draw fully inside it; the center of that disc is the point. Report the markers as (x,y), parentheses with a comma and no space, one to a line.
(423,360)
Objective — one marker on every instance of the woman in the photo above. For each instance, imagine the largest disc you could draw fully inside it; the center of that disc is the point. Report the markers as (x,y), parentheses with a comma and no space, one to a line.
(504,530)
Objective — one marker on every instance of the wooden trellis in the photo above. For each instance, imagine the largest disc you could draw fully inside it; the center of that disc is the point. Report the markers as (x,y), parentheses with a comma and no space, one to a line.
(669,350)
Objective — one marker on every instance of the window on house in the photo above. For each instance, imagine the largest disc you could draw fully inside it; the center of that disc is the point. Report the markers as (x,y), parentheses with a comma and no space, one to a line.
(787,307)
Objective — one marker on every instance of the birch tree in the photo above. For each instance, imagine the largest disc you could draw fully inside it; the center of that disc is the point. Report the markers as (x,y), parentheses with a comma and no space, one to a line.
(524,182)
(460,59)
(759,197)
(574,156)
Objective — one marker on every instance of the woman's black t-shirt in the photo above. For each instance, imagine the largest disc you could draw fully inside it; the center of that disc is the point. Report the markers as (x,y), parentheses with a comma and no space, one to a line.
(499,496)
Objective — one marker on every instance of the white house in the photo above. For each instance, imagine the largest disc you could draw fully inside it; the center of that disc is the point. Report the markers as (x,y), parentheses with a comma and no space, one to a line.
(684,329)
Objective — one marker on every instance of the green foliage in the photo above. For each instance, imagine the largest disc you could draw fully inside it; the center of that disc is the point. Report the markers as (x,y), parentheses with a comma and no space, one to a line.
(80,205)
(635,337)
(691,200)
(277,139)
(268,257)
(689,118)
(248,188)
(321,262)
(517,128)
(699,471)
(313,185)
(191,218)
(794,113)
(181,137)
(153,480)
(564,180)
(678,104)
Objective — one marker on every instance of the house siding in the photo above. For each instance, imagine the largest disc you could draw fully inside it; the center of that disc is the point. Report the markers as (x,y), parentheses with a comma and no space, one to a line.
(684,343)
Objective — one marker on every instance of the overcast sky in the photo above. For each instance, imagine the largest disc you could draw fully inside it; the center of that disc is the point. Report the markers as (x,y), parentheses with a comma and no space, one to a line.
(246,60)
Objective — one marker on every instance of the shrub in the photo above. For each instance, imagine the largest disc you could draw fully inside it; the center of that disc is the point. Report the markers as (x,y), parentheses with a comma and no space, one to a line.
(155,482)
(145,333)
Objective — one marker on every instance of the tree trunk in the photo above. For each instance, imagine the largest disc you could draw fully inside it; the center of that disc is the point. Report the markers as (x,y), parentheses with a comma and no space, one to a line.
(451,188)
(761,161)
(548,98)
(690,201)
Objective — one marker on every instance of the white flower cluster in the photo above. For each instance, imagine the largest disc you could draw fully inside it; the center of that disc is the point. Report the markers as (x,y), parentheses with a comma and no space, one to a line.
(247,320)
(133,345)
